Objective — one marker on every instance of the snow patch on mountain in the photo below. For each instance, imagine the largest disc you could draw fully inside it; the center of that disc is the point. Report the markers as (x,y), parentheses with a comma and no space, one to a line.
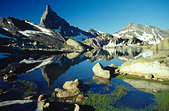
(146,33)
(44,30)
(80,37)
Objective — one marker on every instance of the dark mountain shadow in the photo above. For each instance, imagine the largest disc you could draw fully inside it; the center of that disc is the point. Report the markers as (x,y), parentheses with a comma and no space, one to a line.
(52,71)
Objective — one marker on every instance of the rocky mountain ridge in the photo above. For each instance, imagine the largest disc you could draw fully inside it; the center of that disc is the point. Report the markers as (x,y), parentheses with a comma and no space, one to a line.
(131,35)
(54,31)
(146,33)
(52,21)
(29,35)
(95,32)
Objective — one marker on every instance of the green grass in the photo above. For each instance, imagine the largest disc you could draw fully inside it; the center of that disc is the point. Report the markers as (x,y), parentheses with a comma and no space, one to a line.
(162,99)
(105,102)
(52,97)
(28,87)
(29,92)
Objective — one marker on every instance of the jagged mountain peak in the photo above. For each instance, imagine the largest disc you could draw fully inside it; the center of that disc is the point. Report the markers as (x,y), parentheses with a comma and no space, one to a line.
(48,9)
(52,21)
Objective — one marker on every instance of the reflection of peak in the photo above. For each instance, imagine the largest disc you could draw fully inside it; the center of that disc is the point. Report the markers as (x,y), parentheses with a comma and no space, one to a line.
(52,71)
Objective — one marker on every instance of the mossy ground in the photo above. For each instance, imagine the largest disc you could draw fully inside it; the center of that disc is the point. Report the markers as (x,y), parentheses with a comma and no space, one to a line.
(104,102)
(162,99)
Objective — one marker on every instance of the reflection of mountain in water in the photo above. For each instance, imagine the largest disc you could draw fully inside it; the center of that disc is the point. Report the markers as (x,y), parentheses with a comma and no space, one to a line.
(53,66)
(129,53)
(16,64)
(52,71)
(122,53)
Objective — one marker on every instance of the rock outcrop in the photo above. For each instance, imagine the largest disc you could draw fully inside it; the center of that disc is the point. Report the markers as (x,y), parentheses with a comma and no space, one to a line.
(99,71)
(34,37)
(95,32)
(52,21)
(77,46)
(155,67)
(130,35)
(108,40)
(70,89)
(26,33)
(98,42)
(163,45)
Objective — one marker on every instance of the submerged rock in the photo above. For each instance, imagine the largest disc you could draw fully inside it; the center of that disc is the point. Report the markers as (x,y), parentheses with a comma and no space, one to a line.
(80,98)
(99,71)
(99,80)
(65,94)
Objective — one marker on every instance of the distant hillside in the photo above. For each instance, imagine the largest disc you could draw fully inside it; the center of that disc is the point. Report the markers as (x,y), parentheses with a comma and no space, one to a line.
(146,33)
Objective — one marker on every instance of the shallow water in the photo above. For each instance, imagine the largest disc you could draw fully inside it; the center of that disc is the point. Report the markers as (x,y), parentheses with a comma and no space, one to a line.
(52,71)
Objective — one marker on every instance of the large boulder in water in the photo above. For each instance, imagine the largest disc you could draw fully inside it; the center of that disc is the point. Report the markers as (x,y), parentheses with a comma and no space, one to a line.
(72,86)
(99,71)
(70,89)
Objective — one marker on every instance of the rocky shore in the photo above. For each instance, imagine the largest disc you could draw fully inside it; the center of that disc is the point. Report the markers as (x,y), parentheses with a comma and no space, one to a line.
(156,67)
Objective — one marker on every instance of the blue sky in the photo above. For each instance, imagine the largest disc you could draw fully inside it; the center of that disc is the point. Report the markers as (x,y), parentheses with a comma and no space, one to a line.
(104,15)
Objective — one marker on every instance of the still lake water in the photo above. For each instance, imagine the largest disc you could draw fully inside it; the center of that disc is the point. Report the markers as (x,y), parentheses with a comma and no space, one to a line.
(50,72)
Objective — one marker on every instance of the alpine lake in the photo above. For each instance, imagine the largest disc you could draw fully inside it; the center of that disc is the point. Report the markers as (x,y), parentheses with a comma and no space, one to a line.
(32,74)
